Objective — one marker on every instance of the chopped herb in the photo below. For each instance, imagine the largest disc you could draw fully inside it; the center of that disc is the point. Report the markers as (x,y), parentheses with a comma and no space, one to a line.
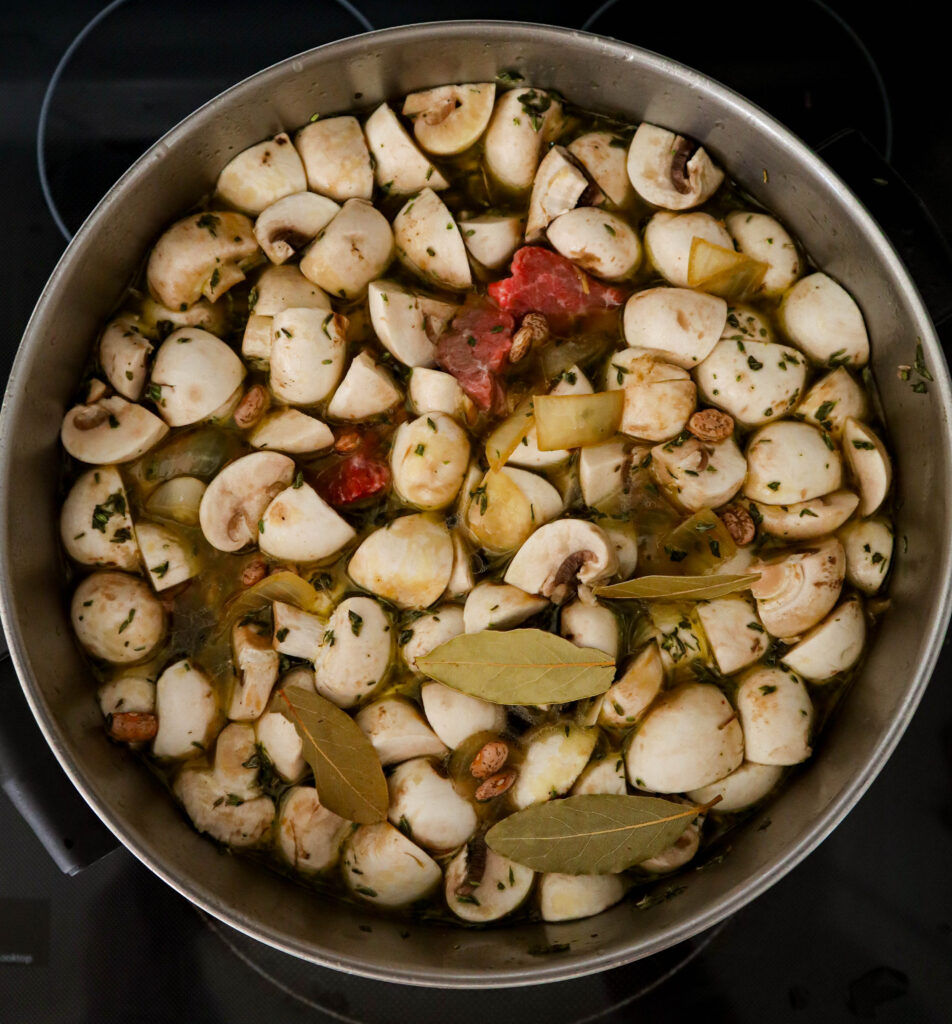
(919,388)
(715,548)
(313,118)
(920,363)
(430,250)
(773,485)
(233,800)
(127,621)
(865,446)
(420,449)
(430,423)
(808,512)
(154,392)
(823,412)
(356,622)
(828,441)
(160,570)
(282,634)
(509,77)
(406,635)
(260,526)
(610,230)
(675,554)
(210,222)
(467,898)
(298,480)
(328,639)
(877,558)
(756,627)
(404,825)
(365,890)
(215,279)
(754,364)
(471,341)
(765,690)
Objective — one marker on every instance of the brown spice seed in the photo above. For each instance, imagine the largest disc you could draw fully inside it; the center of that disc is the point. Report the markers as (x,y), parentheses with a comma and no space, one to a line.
(132,726)
(252,407)
(489,759)
(496,785)
(739,524)
(254,571)
(347,441)
(533,331)
(711,425)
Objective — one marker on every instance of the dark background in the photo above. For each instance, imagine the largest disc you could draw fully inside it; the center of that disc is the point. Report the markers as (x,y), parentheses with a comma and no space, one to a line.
(863,928)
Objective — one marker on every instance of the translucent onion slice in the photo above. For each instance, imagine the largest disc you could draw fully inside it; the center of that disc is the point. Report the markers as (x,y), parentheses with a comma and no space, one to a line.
(724,272)
(698,546)
(502,442)
(177,499)
(574,421)
(499,514)
(280,586)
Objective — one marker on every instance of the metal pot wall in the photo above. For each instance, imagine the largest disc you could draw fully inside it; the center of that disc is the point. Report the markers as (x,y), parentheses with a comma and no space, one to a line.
(91,277)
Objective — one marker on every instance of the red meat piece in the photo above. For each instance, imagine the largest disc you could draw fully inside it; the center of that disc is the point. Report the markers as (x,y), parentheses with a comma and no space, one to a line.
(356,477)
(474,351)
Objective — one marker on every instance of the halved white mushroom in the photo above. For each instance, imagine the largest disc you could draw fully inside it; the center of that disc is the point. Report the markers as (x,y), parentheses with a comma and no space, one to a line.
(764,238)
(296,633)
(126,694)
(290,430)
(187,710)
(678,324)
(308,349)
(95,524)
(868,544)
(450,118)
(590,625)
(177,499)
(169,558)
(869,464)
(557,187)
(633,692)
(832,400)
(356,651)
(234,502)
(698,474)
(408,561)
(426,804)
(499,606)
(777,716)
(602,472)
(668,239)
(124,354)
(485,886)
(256,340)
(571,382)
(287,225)
(428,241)
(262,174)
(795,591)
(602,775)
(429,459)
(336,158)
(689,738)
(522,123)
(280,288)
(282,744)
(235,822)
(399,166)
(805,520)
(462,580)
(193,375)
(435,391)
(743,788)
(659,396)
(398,731)
(353,250)
(831,647)
(820,317)
(554,758)
(116,617)
(561,555)
(669,170)
(604,156)
(427,632)
(204,254)
(110,430)
(234,748)
(679,853)
(383,866)
(455,716)
(308,834)
(598,241)
(507,506)
(734,631)
(256,671)
(755,381)
(366,390)
(744,322)
(399,324)
(571,897)
(492,238)
(789,462)
(300,526)
(157,319)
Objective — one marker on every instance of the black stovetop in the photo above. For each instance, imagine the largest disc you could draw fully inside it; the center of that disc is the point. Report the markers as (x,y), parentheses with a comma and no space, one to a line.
(863,928)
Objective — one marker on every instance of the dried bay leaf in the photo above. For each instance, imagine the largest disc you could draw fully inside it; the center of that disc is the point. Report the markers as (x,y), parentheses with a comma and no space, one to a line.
(519,666)
(347,772)
(678,588)
(283,585)
(593,834)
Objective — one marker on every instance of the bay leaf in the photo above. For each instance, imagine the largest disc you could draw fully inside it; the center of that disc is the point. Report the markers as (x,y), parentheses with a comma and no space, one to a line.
(283,585)
(519,666)
(678,588)
(347,772)
(593,834)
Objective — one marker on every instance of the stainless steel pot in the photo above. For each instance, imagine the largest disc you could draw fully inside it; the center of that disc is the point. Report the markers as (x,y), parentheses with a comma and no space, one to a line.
(602,75)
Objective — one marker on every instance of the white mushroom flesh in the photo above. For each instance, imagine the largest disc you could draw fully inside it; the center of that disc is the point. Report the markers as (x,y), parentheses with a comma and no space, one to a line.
(356,652)
(95,525)
(659,396)
(383,866)
(679,325)
(734,632)
(366,390)
(570,897)
(308,834)
(554,759)
(354,249)
(522,123)
(451,118)
(116,617)
(764,238)
(336,158)
(668,239)
(868,545)
(398,731)
(604,156)
(501,886)
(789,462)
(669,170)
(831,647)
(187,709)
(743,788)
(429,459)
(426,804)
(429,242)
(777,716)
(399,166)
(124,352)
(822,319)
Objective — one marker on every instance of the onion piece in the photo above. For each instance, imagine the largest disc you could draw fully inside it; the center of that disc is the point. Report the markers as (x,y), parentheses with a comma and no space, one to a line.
(502,442)
(283,586)
(575,421)
(721,271)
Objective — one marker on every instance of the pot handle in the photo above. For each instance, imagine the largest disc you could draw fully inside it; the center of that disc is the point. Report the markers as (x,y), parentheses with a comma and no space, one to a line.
(39,788)
(901,214)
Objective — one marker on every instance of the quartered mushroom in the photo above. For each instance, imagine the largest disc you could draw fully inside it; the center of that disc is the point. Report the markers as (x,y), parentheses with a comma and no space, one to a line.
(95,524)
(277,289)
(355,653)
(604,156)
(789,462)
(590,625)
(110,430)
(169,558)
(256,671)
(689,738)
(235,501)
(234,749)
(383,866)
(366,390)
(398,731)
(300,526)
(523,122)
(597,241)
(669,170)
(831,647)
(455,716)
(336,158)
(659,396)
(833,400)
(735,634)
(764,238)
(429,459)
(450,118)
(428,241)
(308,350)
(482,885)
(435,391)
(805,520)
(633,692)
(261,174)
(492,238)
(571,382)
(194,374)
(869,465)
(680,325)
(602,472)
(399,323)
(187,709)
(558,185)
(354,249)
(795,591)
(602,775)
(561,555)
(743,788)
(281,744)
(777,716)
(435,815)
(309,836)
(223,816)
(668,239)
(124,352)
(554,758)
(499,606)
(399,166)
(698,474)
(297,633)
(508,505)
(290,430)
(820,317)
(868,545)
(285,226)
(156,318)
(570,897)
(116,617)
(427,632)
(204,254)
(462,580)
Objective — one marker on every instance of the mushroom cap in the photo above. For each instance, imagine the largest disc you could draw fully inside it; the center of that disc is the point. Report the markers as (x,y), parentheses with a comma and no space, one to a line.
(832,400)
(660,174)
(455,716)
(126,693)
(124,354)
(590,625)
(869,464)
(187,710)
(516,135)
(833,646)
(679,853)
(598,241)
(300,526)
(633,692)
(624,540)
(196,374)
(366,390)
(745,322)
(235,824)
(95,525)
(806,520)
(168,557)
(602,473)
(288,224)
(570,897)
(602,775)
(428,241)
(309,835)
(262,174)
(699,474)
(554,758)
(605,158)
(434,391)
(679,325)
(285,287)
(380,859)
(820,317)
(439,817)
(357,661)
(398,731)
(399,324)
(503,886)
(764,238)
(492,238)
(499,606)
(743,788)
(234,502)
(297,633)
(336,158)
(116,617)
(429,458)
(308,350)
(777,716)
(204,314)
(399,166)
(734,632)
(429,631)
(659,396)
(290,430)
(110,430)
(450,118)
(789,462)
(689,738)
(557,187)
(868,544)
(668,239)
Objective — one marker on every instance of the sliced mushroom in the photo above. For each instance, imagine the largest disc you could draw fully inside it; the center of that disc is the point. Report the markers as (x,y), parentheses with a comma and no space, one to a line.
(571,897)
(435,391)
(383,866)
(598,241)
(287,225)
(455,716)
(554,758)
(604,157)
(602,474)
(777,716)
(95,524)
(698,474)
(602,775)
(868,544)
(353,250)
(429,631)
(236,499)
(309,835)
(399,166)
(678,324)
(300,526)
(659,396)
(734,631)
(668,239)
(408,561)
(590,625)
(507,505)
(235,822)
(356,652)
(499,606)
(436,816)
(690,738)
(234,748)
(743,788)
(679,853)
(764,238)
(522,123)
(110,430)
(483,886)
(398,731)
(451,118)
(204,254)
(308,349)
(754,381)
(789,462)
(795,591)
(193,375)
(167,556)
(187,710)
(571,382)
(561,555)
(670,170)
(366,390)
(336,158)
(261,174)
(116,617)
(833,400)
(429,459)
(296,633)
(820,317)
(399,324)
(833,646)
(806,520)
(282,745)
(557,187)
(256,671)
(869,464)
(290,430)
(123,354)
(428,241)
(492,238)
(633,692)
